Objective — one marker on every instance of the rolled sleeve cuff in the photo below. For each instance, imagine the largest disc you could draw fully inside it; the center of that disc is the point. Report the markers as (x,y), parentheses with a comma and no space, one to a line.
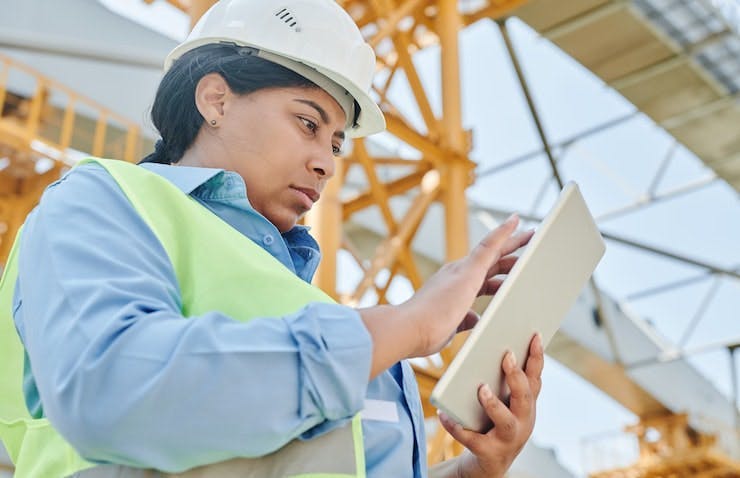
(335,353)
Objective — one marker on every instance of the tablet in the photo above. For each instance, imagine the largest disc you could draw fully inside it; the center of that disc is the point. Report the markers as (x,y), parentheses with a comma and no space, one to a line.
(535,297)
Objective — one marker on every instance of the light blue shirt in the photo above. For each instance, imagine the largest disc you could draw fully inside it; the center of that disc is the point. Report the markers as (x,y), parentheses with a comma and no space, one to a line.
(128,380)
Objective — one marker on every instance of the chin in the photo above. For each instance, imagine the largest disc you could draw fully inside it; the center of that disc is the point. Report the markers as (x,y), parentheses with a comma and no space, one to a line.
(284,219)
(284,225)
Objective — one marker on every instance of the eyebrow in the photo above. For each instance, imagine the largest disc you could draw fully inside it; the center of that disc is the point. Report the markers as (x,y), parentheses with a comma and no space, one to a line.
(322,113)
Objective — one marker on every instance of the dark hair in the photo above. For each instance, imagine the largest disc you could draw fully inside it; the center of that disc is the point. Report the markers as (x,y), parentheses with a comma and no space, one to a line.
(174,113)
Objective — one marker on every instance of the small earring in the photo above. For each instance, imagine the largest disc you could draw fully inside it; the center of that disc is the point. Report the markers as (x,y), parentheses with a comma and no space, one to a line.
(213,122)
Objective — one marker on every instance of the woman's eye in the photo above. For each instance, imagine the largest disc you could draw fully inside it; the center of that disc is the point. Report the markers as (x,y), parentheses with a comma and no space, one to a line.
(337,150)
(310,125)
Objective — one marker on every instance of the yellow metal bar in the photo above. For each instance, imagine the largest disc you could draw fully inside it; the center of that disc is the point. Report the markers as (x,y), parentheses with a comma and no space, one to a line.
(394,188)
(389,249)
(9,208)
(494,11)
(383,291)
(377,189)
(37,104)
(385,8)
(383,92)
(404,57)
(56,86)
(449,25)
(392,18)
(325,220)
(399,128)
(129,153)
(409,266)
(68,124)
(456,172)
(196,9)
(99,138)
(3,82)
(389,161)
(380,195)
(50,84)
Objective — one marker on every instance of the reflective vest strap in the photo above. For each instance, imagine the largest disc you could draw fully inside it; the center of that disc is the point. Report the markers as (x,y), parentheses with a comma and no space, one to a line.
(359,456)
(357,439)
(33,445)
(337,454)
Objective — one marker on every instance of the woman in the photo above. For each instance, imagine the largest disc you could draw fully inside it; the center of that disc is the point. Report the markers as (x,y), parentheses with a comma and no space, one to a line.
(164,310)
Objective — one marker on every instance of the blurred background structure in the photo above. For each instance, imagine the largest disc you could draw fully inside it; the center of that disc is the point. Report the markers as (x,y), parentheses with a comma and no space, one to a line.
(491,105)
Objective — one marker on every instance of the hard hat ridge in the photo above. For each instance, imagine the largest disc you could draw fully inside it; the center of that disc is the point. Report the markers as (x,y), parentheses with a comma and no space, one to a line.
(315,38)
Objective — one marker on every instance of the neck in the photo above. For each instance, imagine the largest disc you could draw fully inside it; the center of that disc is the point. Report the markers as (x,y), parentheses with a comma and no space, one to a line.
(202,152)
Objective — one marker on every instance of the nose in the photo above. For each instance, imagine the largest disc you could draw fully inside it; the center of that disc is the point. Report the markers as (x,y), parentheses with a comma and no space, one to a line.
(322,165)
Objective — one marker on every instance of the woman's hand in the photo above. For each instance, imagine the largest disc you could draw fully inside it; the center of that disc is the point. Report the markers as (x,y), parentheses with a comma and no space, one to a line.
(490,454)
(425,323)
(442,306)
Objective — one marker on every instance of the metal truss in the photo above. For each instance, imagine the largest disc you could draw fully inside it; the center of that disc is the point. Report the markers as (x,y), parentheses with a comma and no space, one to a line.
(39,131)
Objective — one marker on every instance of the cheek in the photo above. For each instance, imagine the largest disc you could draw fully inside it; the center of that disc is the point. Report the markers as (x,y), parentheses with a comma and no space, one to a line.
(266,185)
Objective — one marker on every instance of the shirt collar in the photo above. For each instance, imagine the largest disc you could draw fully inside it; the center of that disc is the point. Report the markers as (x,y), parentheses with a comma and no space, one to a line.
(186,178)
(189,178)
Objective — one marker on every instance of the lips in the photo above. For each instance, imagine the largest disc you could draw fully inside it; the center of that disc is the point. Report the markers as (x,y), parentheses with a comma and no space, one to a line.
(312,194)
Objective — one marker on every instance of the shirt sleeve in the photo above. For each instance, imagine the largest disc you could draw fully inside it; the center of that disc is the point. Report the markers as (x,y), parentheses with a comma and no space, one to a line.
(126,379)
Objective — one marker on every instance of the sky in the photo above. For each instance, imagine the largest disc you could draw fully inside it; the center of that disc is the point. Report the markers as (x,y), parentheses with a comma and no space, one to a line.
(615,168)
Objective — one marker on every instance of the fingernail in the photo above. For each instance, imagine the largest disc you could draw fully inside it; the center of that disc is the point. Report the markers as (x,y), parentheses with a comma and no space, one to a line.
(486,392)
(510,360)
(511,219)
(538,343)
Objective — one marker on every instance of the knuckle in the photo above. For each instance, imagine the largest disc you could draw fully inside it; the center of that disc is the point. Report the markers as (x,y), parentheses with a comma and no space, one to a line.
(492,405)
(507,428)
(526,397)
(475,444)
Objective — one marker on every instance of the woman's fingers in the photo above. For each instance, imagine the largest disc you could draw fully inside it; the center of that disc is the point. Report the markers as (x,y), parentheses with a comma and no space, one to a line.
(473,441)
(494,451)
(437,307)
(507,261)
(535,364)
(521,399)
(502,266)
(471,318)
(489,249)
(490,287)
(516,241)
(504,422)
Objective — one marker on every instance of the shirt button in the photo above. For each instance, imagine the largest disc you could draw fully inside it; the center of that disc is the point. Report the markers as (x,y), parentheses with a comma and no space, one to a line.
(268,240)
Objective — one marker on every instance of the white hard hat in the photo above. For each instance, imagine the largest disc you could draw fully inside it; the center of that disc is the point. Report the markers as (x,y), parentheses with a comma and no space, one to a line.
(315,38)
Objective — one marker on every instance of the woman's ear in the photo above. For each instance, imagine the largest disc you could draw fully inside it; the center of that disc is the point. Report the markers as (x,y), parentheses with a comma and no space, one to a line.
(210,96)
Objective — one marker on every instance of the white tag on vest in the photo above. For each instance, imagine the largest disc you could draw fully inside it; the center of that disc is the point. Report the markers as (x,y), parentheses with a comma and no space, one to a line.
(380,410)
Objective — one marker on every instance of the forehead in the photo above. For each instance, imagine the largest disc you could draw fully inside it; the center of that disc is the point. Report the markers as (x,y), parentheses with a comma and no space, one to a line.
(324,105)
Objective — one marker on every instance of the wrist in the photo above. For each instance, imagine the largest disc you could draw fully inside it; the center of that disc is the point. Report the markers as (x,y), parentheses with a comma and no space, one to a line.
(413,322)
(394,336)
(446,469)
(469,466)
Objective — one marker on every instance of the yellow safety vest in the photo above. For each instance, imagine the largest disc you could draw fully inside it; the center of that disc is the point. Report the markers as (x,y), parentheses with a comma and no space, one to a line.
(212,262)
